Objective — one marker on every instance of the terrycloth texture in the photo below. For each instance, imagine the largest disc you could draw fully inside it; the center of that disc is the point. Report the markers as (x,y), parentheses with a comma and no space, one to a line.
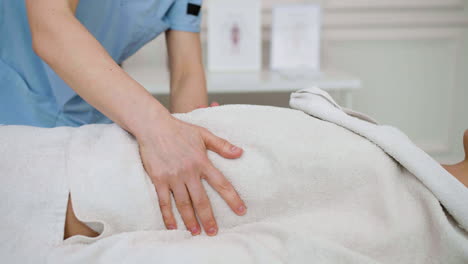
(451,193)
(33,192)
(315,192)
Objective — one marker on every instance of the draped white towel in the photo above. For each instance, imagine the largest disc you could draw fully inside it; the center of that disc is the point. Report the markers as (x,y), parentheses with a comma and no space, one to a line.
(450,192)
(315,192)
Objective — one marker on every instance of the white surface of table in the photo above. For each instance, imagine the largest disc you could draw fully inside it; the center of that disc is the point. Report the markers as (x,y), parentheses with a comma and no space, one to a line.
(157,82)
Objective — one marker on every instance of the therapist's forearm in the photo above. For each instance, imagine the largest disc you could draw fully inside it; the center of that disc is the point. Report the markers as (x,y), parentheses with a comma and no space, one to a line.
(79,59)
(188,92)
(188,85)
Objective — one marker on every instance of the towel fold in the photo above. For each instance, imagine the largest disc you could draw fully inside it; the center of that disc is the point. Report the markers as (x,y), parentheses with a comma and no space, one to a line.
(451,193)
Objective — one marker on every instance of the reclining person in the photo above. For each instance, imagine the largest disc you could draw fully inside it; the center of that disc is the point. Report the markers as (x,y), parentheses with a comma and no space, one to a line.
(313,188)
(460,170)
(293,165)
(75,227)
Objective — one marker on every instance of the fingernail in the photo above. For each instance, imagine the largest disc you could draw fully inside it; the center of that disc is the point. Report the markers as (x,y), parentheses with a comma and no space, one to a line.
(234,148)
(194,230)
(171,227)
(241,209)
(212,231)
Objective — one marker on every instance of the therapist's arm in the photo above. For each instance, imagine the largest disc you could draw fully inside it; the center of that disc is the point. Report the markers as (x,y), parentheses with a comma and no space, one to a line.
(188,85)
(174,153)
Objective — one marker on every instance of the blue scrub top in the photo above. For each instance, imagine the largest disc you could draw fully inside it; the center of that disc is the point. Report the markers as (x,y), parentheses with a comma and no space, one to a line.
(31,93)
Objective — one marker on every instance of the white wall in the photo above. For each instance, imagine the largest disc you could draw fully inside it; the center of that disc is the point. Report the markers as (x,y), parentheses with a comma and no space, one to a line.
(412,56)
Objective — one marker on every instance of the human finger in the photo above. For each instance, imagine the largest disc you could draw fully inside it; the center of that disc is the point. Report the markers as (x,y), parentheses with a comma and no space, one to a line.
(219,182)
(164,197)
(220,146)
(202,206)
(184,205)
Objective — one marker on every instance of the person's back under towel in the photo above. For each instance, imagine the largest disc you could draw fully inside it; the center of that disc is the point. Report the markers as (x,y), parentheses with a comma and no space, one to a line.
(315,192)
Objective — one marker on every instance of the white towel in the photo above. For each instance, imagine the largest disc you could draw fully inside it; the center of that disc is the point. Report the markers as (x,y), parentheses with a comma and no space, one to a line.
(33,192)
(315,192)
(451,193)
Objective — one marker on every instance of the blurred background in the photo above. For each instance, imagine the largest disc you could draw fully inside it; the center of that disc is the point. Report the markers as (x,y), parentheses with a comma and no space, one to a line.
(403,62)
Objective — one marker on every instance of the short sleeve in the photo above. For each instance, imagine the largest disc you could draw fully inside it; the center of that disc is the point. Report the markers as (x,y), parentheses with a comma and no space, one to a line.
(185,15)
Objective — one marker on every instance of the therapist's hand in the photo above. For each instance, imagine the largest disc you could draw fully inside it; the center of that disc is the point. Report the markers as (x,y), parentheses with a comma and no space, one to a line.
(213,104)
(174,154)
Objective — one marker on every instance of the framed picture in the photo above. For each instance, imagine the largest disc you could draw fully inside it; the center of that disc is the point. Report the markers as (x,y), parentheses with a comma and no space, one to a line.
(295,38)
(234,35)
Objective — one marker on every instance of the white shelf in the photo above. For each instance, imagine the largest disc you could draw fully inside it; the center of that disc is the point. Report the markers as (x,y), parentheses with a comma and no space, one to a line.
(157,82)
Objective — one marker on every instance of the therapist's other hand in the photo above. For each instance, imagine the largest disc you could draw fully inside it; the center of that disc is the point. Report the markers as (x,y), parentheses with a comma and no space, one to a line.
(174,154)
(213,104)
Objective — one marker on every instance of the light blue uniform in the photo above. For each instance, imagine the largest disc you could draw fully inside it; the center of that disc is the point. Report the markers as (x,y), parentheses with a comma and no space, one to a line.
(30,91)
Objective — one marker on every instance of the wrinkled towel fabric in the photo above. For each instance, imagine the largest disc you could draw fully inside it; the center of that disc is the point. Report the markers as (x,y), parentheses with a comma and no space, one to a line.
(450,192)
(315,192)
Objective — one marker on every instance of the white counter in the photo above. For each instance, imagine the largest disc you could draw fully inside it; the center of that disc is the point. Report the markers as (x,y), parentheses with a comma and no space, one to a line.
(157,82)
